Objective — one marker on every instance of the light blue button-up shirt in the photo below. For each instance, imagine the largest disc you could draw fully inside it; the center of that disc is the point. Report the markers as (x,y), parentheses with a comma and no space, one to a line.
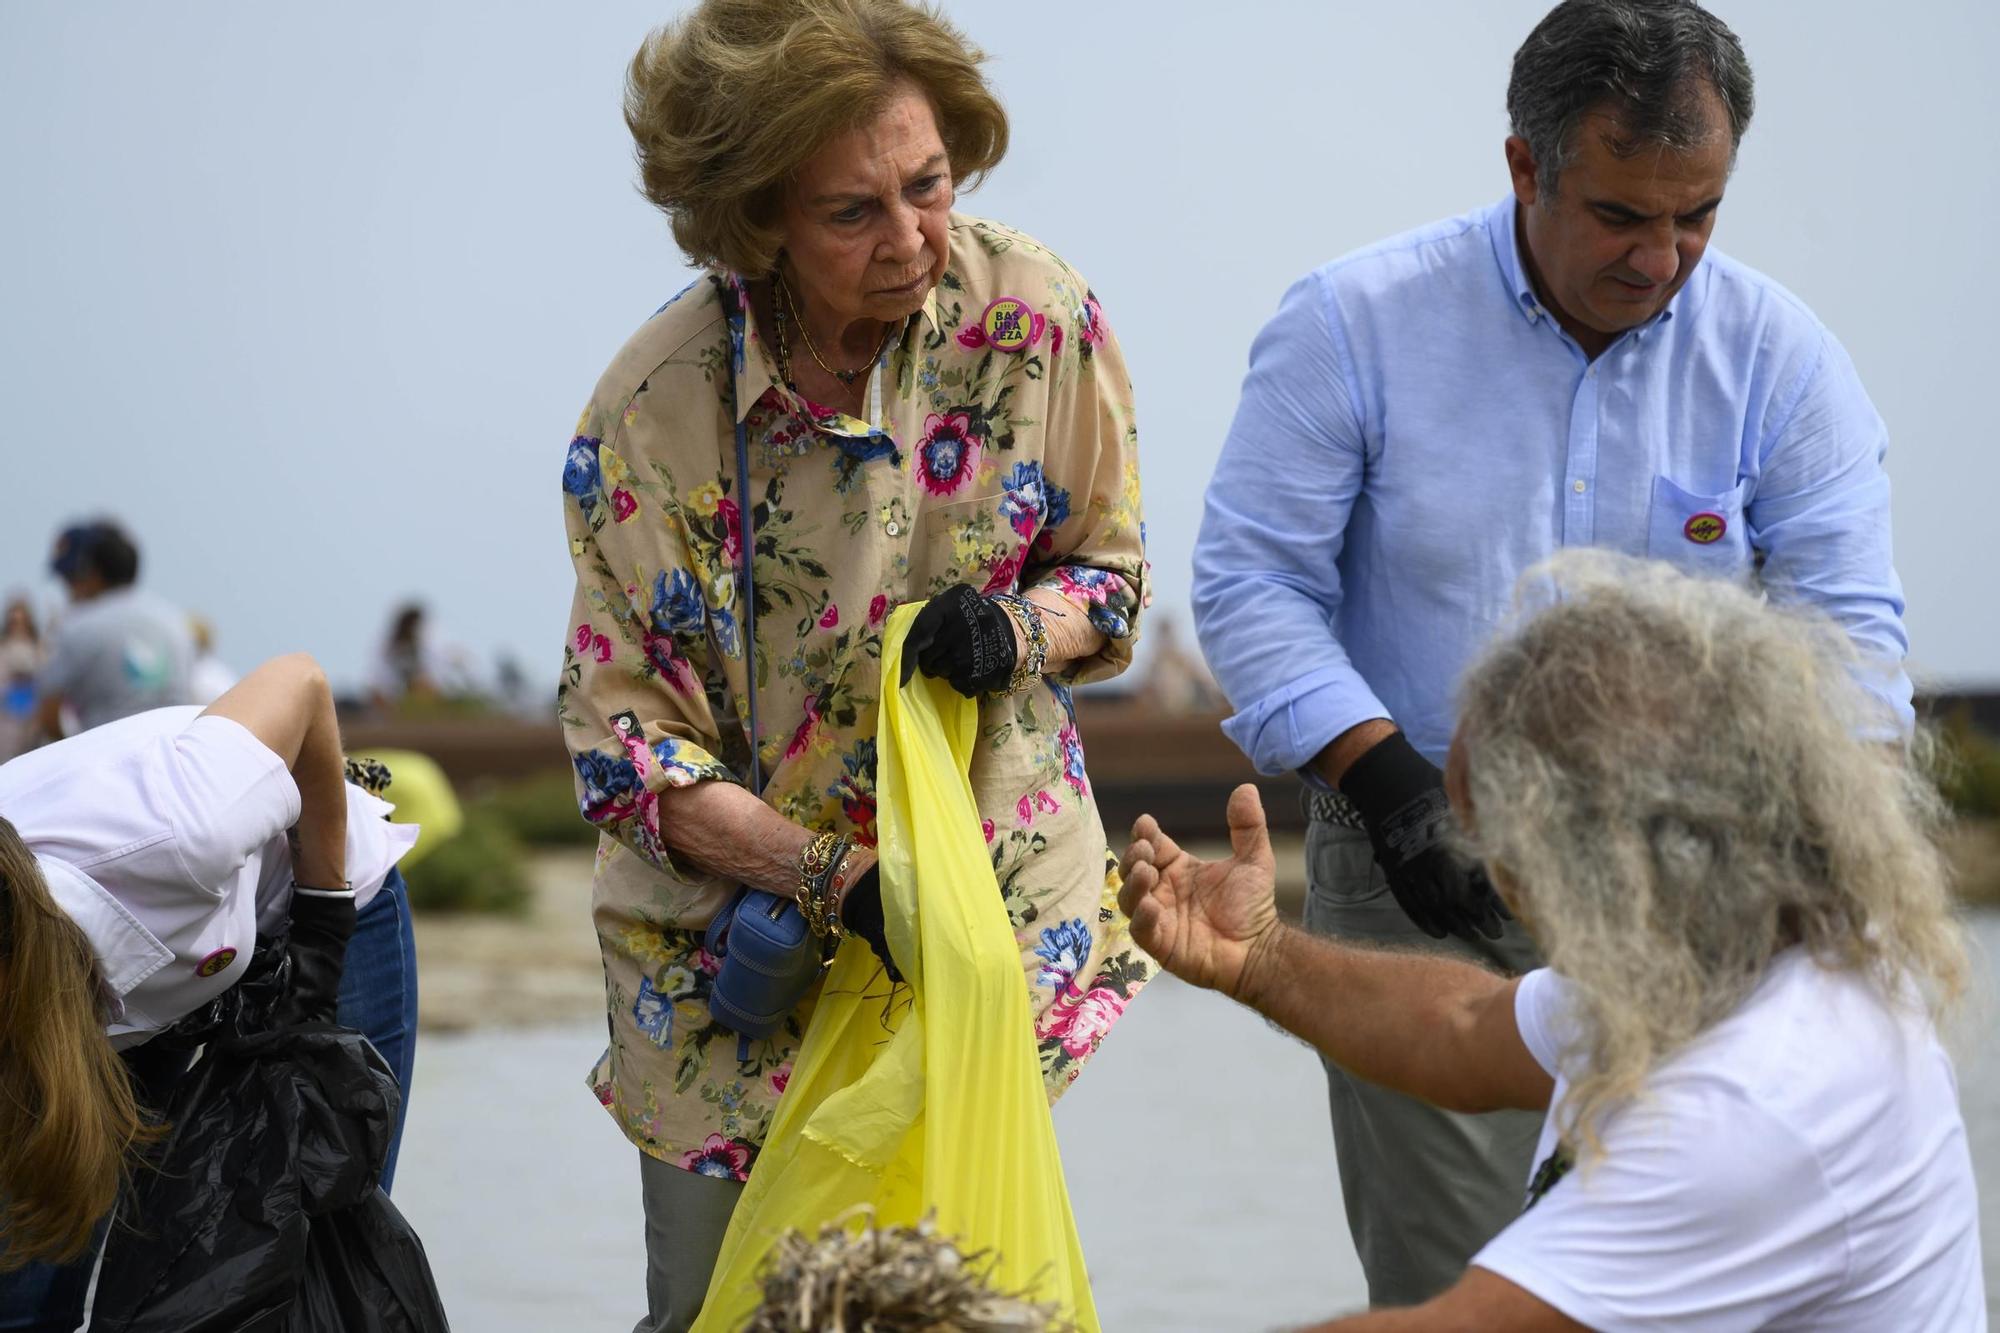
(1416,431)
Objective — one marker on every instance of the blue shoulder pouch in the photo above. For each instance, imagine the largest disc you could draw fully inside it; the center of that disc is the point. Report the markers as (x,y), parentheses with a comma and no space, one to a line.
(770,957)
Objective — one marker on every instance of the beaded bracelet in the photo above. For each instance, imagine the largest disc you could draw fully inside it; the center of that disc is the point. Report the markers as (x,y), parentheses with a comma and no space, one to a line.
(1028,616)
(818,865)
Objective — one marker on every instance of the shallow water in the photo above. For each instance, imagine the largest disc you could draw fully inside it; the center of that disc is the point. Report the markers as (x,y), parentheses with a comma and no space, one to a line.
(1197,1151)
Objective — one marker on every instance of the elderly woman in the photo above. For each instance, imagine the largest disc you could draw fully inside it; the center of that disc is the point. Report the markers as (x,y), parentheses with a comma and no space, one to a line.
(1749,1119)
(929,407)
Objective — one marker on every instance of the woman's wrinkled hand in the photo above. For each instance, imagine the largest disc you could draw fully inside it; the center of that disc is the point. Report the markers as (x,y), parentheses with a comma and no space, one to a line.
(1207,922)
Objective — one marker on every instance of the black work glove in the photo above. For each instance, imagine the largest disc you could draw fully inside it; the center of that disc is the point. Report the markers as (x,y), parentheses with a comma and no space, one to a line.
(963,638)
(317,946)
(1400,797)
(861,913)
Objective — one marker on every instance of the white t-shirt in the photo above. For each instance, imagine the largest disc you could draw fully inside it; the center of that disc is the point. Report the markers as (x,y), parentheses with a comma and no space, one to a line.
(163,836)
(1801,1165)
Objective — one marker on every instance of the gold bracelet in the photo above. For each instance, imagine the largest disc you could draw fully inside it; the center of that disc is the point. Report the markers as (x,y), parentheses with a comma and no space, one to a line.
(818,864)
(840,882)
(1028,617)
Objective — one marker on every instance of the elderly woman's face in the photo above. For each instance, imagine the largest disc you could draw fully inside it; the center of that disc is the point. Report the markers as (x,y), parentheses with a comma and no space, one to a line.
(865,219)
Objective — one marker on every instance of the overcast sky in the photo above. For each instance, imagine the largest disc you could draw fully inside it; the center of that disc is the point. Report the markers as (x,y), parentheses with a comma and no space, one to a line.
(310,295)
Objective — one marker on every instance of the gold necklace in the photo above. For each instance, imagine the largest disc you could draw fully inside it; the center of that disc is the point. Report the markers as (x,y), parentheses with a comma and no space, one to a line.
(846,377)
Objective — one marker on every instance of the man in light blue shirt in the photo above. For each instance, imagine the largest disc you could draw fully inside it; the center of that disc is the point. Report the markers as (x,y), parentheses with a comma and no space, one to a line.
(1429,418)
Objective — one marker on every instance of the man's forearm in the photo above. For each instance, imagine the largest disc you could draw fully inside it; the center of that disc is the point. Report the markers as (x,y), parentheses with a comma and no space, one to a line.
(1403,1020)
(1340,753)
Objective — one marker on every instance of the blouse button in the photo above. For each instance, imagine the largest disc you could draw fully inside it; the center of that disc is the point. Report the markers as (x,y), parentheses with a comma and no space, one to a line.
(895,529)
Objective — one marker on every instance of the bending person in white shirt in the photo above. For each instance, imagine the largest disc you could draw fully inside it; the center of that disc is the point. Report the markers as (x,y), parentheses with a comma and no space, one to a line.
(1750,1120)
(139,861)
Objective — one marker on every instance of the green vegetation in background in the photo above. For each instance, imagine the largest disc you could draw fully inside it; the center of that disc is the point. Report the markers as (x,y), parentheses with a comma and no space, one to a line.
(483,869)
(1969,771)
(540,810)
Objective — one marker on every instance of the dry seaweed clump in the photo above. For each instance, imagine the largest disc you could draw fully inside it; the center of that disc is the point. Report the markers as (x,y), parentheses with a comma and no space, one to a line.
(888,1280)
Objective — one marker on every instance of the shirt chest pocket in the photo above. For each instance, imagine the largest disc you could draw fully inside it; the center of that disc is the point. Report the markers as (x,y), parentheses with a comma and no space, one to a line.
(1702,534)
(971,541)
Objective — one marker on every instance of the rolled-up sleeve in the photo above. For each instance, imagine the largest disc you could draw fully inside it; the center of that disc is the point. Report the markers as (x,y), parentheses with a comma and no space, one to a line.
(1266,588)
(1093,550)
(1820,514)
(634,699)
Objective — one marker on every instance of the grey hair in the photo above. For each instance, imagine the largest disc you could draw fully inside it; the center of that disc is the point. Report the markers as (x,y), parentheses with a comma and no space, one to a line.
(1677,780)
(1647,62)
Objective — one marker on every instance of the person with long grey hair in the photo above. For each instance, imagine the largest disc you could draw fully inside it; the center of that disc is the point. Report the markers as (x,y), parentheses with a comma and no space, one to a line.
(1573,366)
(1748,1117)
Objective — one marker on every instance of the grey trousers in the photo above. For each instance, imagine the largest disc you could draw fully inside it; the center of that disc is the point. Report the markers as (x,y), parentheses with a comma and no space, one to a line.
(1424,1188)
(686,1216)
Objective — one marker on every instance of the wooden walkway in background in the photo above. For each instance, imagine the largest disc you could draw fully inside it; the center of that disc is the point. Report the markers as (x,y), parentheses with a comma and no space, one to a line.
(1180,767)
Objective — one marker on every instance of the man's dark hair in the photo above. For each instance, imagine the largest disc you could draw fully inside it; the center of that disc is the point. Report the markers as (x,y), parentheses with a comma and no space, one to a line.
(1647,62)
(99,548)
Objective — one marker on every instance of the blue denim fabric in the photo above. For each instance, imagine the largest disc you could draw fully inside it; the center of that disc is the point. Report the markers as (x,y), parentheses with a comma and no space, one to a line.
(48,1298)
(378,992)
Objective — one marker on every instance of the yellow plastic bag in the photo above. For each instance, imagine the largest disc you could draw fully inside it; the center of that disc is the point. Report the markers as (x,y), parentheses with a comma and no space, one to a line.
(935,1105)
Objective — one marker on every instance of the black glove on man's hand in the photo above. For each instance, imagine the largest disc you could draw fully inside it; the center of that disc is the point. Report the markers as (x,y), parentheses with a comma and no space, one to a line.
(317,944)
(965,639)
(861,913)
(1400,797)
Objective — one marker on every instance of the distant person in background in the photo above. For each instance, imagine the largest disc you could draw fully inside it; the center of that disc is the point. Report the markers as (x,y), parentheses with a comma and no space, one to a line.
(415,666)
(514,691)
(20,662)
(119,650)
(210,677)
(1176,679)
(1426,419)
(404,669)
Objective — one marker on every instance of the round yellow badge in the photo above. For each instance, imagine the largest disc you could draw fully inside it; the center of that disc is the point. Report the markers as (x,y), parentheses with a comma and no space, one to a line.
(1704,529)
(1008,324)
(215,962)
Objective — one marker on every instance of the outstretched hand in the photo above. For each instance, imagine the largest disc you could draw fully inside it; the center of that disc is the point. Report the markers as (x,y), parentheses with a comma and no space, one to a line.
(1207,922)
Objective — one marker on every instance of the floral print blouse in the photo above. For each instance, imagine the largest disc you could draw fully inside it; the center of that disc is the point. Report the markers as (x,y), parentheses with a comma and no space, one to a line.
(1005,456)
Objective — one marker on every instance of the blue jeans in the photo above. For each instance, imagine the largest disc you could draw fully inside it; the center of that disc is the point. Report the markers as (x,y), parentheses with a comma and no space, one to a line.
(378,998)
(378,993)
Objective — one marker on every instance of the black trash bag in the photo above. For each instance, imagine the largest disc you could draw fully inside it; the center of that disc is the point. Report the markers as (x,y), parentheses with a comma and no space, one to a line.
(259,1212)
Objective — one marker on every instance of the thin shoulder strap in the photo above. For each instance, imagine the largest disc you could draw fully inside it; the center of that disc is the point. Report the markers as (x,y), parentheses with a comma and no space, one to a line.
(746,508)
